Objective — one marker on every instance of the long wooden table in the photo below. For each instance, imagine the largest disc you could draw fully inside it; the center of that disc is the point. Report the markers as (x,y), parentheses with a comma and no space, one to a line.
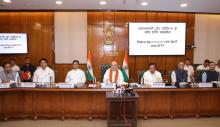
(91,103)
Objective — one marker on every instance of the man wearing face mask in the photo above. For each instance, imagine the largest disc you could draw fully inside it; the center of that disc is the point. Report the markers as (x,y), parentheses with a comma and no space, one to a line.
(152,75)
(113,74)
(8,75)
(43,73)
(76,75)
(27,70)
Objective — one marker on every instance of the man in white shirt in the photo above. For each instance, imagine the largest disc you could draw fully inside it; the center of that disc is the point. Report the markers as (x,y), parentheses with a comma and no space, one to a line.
(204,66)
(189,68)
(152,75)
(43,73)
(76,75)
(217,68)
(113,75)
(14,66)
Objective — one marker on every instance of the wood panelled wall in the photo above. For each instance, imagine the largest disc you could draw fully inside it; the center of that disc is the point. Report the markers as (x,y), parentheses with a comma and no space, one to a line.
(39,26)
(105,54)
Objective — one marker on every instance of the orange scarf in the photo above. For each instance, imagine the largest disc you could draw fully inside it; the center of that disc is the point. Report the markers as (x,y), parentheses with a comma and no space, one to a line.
(110,76)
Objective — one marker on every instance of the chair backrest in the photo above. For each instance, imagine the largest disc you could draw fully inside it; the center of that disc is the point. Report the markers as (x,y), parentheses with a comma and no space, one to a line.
(104,67)
(140,75)
(198,75)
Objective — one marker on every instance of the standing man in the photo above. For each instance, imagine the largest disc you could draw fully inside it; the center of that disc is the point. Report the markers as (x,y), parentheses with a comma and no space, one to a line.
(8,75)
(27,70)
(14,66)
(44,73)
(189,68)
(180,75)
(152,75)
(76,75)
(113,75)
(204,66)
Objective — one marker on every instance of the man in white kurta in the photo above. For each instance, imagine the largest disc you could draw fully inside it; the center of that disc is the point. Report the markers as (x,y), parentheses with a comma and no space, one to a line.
(76,76)
(204,66)
(189,68)
(152,75)
(113,75)
(44,74)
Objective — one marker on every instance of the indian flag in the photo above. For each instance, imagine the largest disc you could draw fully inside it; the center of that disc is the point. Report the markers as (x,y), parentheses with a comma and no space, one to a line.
(125,68)
(89,67)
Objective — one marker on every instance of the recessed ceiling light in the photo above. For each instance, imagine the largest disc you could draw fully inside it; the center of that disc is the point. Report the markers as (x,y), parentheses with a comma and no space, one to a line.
(102,2)
(7,1)
(144,3)
(183,5)
(59,2)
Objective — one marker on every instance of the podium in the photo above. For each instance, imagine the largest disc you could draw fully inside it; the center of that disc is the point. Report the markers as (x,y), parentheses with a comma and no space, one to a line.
(121,110)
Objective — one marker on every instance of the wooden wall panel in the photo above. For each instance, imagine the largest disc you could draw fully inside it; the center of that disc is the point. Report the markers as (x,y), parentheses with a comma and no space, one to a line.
(39,28)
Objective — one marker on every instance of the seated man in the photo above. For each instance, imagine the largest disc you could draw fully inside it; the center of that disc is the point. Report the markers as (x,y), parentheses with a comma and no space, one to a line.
(76,75)
(217,68)
(211,74)
(152,75)
(189,68)
(14,66)
(27,70)
(8,75)
(113,75)
(204,66)
(180,75)
(43,73)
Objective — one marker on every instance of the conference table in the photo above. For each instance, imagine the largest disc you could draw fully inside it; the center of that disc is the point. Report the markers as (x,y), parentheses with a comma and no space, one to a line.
(84,102)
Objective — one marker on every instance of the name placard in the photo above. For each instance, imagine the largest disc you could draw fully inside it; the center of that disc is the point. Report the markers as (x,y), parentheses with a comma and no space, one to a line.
(158,85)
(65,85)
(205,85)
(4,85)
(28,85)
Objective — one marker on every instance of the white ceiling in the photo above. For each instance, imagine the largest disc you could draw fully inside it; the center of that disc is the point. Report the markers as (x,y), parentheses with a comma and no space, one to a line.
(204,6)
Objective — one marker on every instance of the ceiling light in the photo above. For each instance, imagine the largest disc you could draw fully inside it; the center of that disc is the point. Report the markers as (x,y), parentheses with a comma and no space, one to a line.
(144,3)
(59,2)
(102,2)
(183,5)
(7,1)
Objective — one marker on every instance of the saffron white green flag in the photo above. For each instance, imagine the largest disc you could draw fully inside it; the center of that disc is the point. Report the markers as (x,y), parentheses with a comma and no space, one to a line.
(89,67)
(125,70)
